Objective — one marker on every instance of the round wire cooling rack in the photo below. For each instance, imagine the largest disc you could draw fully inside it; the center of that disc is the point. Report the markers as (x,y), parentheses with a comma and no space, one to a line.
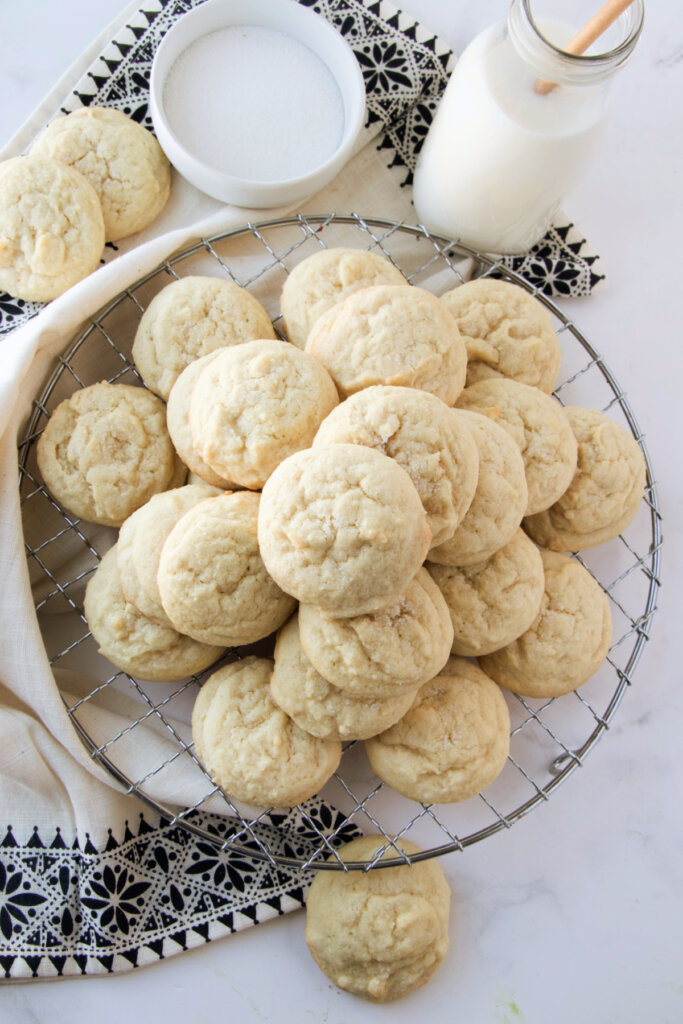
(549,738)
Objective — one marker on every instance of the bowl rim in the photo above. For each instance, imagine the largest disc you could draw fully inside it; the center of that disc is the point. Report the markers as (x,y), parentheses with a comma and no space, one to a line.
(290,18)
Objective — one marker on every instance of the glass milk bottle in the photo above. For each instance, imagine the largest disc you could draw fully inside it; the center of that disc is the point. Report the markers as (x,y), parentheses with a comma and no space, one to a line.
(500,156)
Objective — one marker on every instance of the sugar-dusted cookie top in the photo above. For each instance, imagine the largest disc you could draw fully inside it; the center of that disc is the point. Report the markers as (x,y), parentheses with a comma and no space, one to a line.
(178,422)
(391,334)
(51,228)
(321,708)
(105,451)
(508,333)
(255,404)
(541,428)
(189,318)
(419,431)
(212,581)
(342,528)
(123,162)
(379,934)
(492,602)
(133,642)
(141,539)
(568,640)
(499,499)
(605,492)
(452,743)
(403,644)
(326,278)
(250,747)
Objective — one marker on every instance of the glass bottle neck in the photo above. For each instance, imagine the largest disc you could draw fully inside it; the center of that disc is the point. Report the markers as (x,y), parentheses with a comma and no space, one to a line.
(525,29)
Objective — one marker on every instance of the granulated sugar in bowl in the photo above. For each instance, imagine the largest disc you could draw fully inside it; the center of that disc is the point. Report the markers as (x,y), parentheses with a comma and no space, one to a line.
(257,104)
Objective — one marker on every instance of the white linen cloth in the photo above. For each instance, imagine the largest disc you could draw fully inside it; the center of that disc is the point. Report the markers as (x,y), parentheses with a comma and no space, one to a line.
(54,796)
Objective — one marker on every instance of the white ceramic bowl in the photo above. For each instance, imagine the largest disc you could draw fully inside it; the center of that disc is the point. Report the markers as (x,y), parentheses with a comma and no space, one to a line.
(303,25)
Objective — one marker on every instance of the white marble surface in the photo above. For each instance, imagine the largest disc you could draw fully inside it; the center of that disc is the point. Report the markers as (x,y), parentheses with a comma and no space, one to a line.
(575,913)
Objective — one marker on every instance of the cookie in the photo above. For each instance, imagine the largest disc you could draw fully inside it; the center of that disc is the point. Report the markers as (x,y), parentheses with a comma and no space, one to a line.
(212,581)
(326,278)
(342,528)
(105,451)
(131,641)
(123,162)
(51,228)
(499,500)
(254,405)
(189,318)
(507,332)
(250,747)
(566,643)
(541,428)
(419,431)
(605,492)
(379,934)
(321,708)
(491,603)
(452,743)
(378,654)
(141,539)
(178,423)
(391,334)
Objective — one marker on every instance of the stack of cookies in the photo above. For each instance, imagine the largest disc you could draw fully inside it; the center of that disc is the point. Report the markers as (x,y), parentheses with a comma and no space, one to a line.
(92,176)
(374,492)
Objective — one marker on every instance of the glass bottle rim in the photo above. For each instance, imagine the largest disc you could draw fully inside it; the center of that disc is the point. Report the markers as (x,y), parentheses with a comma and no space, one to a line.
(589,66)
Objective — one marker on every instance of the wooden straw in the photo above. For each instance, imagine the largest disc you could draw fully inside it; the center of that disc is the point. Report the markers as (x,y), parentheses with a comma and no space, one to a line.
(587,35)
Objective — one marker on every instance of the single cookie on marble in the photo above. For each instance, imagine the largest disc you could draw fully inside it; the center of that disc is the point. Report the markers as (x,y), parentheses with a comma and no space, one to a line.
(51,228)
(178,423)
(105,451)
(421,433)
(391,334)
(250,747)
(507,332)
(452,743)
(541,428)
(190,318)
(382,933)
(342,528)
(212,581)
(141,538)
(319,707)
(605,492)
(123,162)
(131,641)
(401,645)
(491,603)
(568,640)
(499,499)
(255,404)
(326,278)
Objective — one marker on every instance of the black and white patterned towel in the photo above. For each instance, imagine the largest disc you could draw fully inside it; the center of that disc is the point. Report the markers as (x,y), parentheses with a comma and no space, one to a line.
(153,891)
(406,68)
(152,888)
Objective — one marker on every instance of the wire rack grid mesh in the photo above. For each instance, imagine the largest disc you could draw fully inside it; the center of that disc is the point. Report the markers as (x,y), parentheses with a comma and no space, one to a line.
(549,739)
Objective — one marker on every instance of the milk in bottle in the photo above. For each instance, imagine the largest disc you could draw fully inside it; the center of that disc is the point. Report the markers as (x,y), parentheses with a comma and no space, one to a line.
(499,157)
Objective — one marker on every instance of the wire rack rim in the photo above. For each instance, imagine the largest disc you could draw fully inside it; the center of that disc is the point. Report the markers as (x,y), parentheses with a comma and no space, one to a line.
(445,249)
